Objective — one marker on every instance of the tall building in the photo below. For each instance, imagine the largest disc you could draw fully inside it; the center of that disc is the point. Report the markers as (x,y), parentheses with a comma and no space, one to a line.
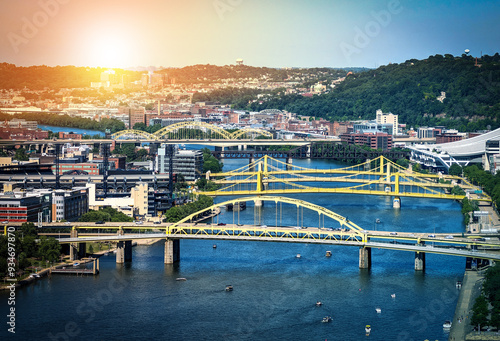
(389,118)
(189,163)
(136,115)
(374,141)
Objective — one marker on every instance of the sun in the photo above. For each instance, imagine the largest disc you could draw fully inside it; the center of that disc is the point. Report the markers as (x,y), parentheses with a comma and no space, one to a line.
(110,51)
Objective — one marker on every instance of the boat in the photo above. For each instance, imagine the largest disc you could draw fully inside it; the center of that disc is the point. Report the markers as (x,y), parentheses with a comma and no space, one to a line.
(447,324)
(214,246)
(377,221)
(326,319)
(368,329)
(298,255)
(319,304)
(393,295)
(229,288)
(328,253)
(34,275)
(76,264)
(378,310)
(181,279)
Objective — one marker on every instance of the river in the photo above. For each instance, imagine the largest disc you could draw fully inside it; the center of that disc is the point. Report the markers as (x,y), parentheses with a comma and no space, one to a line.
(274,291)
(74,130)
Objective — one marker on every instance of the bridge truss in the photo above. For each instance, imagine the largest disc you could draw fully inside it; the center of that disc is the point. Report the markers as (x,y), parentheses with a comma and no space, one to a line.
(190,130)
(380,176)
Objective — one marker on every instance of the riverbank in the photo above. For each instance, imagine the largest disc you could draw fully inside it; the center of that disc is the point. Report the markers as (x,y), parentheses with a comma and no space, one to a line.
(471,289)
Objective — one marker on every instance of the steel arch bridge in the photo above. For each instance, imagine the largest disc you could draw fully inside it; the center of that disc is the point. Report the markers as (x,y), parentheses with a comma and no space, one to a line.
(181,131)
(248,131)
(351,230)
(212,130)
(134,134)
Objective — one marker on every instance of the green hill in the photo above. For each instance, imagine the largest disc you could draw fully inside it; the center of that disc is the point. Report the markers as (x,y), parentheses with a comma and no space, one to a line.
(411,89)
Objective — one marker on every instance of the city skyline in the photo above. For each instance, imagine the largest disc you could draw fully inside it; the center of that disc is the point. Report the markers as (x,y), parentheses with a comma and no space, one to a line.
(275,33)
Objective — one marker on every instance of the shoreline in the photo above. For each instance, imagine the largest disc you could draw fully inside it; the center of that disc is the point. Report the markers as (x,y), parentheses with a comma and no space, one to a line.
(461,329)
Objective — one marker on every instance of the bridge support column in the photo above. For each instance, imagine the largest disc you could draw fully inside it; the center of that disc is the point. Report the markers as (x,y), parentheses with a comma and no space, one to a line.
(172,251)
(367,166)
(308,150)
(365,257)
(73,247)
(124,251)
(396,202)
(82,250)
(419,261)
(289,162)
(250,161)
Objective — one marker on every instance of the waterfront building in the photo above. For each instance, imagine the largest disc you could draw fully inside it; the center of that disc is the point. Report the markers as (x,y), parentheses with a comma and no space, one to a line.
(24,206)
(189,163)
(374,141)
(69,204)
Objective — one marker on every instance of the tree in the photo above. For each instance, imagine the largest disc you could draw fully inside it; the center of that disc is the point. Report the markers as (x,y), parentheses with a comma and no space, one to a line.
(21,155)
(403,162)
(455,170)
(49,249)
(480,312)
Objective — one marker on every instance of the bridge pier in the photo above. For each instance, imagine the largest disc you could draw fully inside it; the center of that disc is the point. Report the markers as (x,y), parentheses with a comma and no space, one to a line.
(250,161)
(289,162)
(396,202)
(75,249)
(365,257)
(124,251)
(172,251)
(419,261)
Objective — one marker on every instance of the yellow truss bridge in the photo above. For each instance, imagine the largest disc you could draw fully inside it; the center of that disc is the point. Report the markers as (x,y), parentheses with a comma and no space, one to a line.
(380,176)
(190,130)
(334,230)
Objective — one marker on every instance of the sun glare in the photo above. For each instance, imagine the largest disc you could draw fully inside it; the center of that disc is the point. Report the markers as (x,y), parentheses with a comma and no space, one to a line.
(109,48)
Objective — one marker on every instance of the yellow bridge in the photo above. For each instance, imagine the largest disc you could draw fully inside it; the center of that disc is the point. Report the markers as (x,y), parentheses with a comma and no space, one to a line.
(380,176)
(334,230)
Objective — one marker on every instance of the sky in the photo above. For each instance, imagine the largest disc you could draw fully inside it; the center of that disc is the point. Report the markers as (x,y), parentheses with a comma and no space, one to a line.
(271,33)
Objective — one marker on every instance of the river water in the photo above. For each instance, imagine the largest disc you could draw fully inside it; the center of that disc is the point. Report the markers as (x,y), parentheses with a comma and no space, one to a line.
(274,291)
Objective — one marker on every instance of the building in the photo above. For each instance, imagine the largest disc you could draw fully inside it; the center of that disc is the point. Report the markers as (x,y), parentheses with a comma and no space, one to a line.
(373,128)
(24,207)
(389,118)
(63,135)
(381,141)
(135,115)
(447,137)
(189,163)
(19,123)
(69,204)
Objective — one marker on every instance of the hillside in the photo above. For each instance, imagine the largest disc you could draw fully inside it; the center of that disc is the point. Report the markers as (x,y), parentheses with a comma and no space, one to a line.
(411,90)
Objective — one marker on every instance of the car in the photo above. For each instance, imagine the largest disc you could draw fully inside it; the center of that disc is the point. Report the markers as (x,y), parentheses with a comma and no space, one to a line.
(5,222)
(157,222)
(448,237)
(221,224)
(431,236)
(411,235)
(239,224)
(100,222)
(263,226)
(139,222)
(393,233)
(67,223)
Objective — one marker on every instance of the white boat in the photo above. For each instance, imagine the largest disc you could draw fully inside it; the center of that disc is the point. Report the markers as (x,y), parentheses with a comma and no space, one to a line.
(181,279)
(368,329)
(393,295)
(319,304)
(35,275)
(229,288)
(298,255)
(326,319)
(377,221)
(447,324)
(378,310)
(328,253)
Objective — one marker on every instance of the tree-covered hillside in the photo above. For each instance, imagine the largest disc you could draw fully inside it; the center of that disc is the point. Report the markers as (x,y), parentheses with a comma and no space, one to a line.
(411,90)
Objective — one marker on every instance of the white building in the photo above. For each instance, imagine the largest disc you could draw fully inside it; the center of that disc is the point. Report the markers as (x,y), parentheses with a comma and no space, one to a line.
(389,118)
